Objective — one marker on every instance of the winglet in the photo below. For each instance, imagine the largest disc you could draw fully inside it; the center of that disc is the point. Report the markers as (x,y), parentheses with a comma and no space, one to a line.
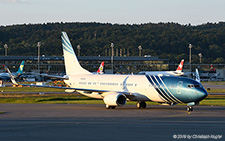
(180,67)
(11,76)
(197,76)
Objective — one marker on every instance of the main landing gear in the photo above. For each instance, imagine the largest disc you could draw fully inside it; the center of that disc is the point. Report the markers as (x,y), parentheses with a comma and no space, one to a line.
(110,107)
(141,104)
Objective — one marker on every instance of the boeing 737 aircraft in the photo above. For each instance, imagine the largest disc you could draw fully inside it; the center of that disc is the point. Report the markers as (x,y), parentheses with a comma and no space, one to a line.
(5,76)
(178,72)
(116,90)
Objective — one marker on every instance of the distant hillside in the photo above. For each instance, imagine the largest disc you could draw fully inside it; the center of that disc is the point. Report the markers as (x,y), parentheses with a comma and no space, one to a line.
(166,40)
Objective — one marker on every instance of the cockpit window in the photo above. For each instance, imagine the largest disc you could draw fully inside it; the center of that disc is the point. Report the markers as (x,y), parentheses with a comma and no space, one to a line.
(197,86)
(190,86)
(194,86)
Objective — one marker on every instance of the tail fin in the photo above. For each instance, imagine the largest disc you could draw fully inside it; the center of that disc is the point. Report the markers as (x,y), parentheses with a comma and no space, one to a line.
(71,63)
(20,70)
(180,67)
(101,67)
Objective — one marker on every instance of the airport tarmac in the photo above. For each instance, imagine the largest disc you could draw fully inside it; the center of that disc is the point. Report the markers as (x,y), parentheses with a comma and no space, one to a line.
(95,122)
(213,86)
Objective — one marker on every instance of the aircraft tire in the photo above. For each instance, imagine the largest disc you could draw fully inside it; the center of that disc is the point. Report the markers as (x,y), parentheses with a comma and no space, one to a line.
(110,107)
(138,104)
(144,105)
(141,104)
(189,108)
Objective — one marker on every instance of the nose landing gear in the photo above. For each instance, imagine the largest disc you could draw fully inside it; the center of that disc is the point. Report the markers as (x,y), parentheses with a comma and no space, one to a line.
(189,108)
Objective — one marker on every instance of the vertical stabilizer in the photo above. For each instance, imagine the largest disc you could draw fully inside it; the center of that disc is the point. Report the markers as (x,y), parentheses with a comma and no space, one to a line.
(180,67)
(71,63)
(20,70)
(197,76)
(100,69)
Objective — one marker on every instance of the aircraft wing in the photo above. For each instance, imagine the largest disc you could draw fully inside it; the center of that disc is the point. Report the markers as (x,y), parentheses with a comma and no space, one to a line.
(53,76)
(11,76)
(67,89)
(51,86)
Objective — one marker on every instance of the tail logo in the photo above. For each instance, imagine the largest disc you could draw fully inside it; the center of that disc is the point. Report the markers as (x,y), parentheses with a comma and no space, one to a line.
(66,44)
(180,67)
(21,67)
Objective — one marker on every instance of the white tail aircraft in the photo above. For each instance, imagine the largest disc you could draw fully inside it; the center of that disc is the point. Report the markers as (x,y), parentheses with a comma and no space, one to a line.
(178,72)
(116,90)
(100,69)
(6,76)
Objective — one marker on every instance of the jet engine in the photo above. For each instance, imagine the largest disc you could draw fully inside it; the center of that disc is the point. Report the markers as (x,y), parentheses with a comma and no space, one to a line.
(114,99)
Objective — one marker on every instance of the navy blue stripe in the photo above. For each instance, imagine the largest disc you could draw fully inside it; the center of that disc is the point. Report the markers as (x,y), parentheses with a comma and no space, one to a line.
(149,79)
(69,47)
(156,82)
(161,83)
(67,50)
(164,91)
(65,42)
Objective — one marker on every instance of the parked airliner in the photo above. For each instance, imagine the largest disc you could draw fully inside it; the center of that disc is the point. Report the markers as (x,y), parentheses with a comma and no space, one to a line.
(5,76)
(178,72)
(100,69)
(116,90)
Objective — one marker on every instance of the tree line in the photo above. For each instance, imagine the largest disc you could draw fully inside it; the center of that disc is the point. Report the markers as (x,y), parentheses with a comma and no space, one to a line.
(166,40)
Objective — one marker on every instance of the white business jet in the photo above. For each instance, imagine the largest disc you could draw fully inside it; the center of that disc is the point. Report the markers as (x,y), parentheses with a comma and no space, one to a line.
(116,90)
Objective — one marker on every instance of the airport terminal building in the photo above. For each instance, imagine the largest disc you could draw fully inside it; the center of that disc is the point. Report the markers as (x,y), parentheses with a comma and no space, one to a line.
(55,64)
(120,65)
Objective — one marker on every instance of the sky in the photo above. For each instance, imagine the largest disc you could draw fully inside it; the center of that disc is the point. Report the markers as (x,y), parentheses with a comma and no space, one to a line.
(195,12)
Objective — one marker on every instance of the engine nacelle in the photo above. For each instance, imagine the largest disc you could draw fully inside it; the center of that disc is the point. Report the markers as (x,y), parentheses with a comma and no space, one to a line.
(115,99)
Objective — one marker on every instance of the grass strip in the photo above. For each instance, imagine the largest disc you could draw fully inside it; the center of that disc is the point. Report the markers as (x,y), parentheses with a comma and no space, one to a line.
(216,91)
(213,100)
(30,89)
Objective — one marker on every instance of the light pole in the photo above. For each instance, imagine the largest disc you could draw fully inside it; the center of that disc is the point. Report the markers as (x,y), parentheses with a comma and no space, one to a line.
(117,52)
(200,57)
(112,46)
(38,45)
(78,47)
(140,48)
(190,46)
(6,47)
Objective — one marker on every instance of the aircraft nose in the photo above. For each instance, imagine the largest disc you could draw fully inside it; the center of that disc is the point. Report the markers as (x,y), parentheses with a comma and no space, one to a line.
(202,94)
